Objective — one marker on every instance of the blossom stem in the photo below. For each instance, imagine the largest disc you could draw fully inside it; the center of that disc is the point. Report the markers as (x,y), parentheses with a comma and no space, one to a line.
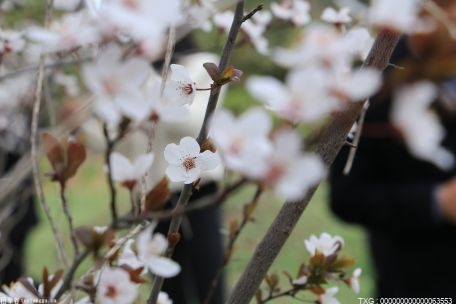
(112,188)
(66,211)
(329,141)
(212,103)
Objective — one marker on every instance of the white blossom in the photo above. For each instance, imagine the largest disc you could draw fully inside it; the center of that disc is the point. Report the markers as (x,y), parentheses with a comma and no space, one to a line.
(357,85)
(180,89)
(150,247)
(353,281)
(243,142)
(329,296)
(400,16)
(116,85)
(305,96)
(419,126)
(114,287)
(122,170)
(291,172)
(330,15)
(18,290)
(186,162)
(325,244)
(296,11)
(163,298)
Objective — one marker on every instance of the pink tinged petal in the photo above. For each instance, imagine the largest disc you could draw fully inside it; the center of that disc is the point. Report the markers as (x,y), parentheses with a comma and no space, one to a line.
(142,164)
(255,122)
(107,111)
(208,160)
(136,71)
(267,90)
(176,173)
(172,154)
(121,168)
(190,146)
(162,266)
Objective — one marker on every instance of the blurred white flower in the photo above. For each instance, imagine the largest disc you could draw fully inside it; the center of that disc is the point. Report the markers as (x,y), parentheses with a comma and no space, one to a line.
(114,287)
(329,296)
(68,82)
(291,172)
(71,31)
(357,85)
(150,247)
(419,126)
(163,298)
(66,5)
(11,42)
(294,100)
(18,290)
(401,16)
(353,281)
(180,89)
(325,244)
(359,42)
(116,85)
(186,162)
(330,15)
(296,11)
(302,280)
(243,142)
(142,19)
(129,173)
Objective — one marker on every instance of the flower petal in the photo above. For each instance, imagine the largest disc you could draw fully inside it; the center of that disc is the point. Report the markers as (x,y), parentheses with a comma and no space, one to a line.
(208,160)
(190,146)
(162,266)
(121,168)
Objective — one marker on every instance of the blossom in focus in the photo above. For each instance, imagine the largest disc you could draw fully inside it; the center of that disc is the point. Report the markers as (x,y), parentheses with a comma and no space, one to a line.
(330,15)
(243,142)
(305,96)
(419,126)
(325,244)
(161,108)
(291,172)
(127,173)
(186,162)
(116,85)
(296,11)
(353,281)
(114,287)
(180,89)
(150,248)
(329,296)
(401,16)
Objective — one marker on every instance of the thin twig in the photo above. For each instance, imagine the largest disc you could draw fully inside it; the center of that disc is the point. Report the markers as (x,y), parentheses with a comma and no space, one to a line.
(253,12)
(202,136)
(112,187)
(234,236)
(355,143)
(66,211)
(35,167)
(68,279)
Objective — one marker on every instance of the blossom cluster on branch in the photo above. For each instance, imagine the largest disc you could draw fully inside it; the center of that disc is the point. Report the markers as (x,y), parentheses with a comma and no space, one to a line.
(111,47)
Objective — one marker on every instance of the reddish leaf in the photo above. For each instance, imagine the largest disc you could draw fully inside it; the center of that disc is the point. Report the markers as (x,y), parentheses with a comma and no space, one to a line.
(76,154)
(212,70)
(135,274)
(54,152)
(157,198)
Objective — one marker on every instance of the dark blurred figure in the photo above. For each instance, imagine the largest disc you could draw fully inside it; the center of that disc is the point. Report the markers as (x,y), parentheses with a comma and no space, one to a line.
(407,206)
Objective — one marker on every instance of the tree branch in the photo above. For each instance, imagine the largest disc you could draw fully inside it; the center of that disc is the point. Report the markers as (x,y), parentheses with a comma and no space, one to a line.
(331,138)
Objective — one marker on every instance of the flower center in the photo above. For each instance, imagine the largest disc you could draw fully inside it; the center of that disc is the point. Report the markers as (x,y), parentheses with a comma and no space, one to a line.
(187,88)
(111,291)
(189,163)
